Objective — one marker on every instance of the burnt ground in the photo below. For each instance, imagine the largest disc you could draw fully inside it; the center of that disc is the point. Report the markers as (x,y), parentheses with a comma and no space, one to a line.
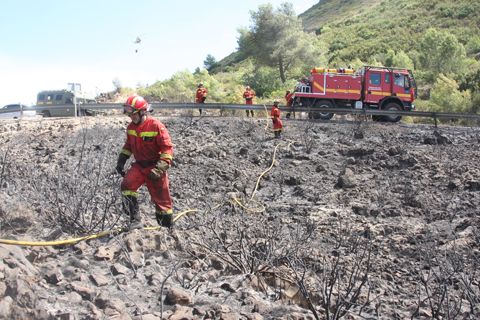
(354,220)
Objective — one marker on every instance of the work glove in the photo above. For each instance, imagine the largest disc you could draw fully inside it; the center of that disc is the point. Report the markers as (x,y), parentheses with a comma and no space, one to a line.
(122,158)
(273,120)
(203,99)
(157,171)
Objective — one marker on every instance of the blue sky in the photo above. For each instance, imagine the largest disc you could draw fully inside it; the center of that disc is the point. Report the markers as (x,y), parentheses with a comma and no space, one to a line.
(46,44)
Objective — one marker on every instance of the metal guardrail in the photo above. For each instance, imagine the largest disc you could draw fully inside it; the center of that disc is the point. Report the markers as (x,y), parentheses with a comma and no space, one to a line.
(256,107)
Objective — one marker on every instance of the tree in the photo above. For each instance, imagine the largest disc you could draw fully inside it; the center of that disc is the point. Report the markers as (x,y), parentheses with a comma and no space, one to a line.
(440,52)
(445,97)
(209,62)
(398,60)
(117,83)
(276,39)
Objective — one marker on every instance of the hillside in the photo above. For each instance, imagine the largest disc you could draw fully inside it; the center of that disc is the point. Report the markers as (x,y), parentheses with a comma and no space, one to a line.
(370,220)
(333,11)
(364,28)
(361,29)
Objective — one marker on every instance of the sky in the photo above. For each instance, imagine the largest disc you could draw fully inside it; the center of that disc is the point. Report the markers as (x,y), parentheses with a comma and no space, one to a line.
(46,44)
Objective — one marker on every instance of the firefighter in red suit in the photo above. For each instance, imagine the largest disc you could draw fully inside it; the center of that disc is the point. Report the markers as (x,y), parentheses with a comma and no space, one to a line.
(249,95)
(277,123)
(201,95)
(288,97)
(149,142)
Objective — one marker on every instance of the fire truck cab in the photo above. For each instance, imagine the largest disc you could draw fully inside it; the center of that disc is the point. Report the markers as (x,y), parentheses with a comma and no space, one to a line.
(383,88)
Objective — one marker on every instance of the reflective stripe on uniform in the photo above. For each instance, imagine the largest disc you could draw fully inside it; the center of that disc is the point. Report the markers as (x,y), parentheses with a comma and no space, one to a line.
(128,153)
(132,132)
(166,156)
(163,212)
(149,134)
(130,193)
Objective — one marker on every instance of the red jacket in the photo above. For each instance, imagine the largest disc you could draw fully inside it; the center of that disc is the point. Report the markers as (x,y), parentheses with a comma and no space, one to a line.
(275,112)
(249,95)
(201,92)
(148,142)
(288,97)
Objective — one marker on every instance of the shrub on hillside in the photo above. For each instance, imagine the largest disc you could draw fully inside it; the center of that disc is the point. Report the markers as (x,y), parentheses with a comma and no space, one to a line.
(446,97)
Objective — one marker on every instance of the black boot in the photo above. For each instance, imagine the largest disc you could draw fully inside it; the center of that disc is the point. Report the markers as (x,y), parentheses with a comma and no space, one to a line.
(164,220)
(251,111)
(247,113)
(279,133)
(276,134)
(130,208)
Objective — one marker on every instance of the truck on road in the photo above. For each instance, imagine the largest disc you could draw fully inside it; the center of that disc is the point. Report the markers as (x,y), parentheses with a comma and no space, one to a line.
(51,99)
(382,88)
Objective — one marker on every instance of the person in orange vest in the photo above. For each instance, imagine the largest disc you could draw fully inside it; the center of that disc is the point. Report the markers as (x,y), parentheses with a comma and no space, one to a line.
(277,123)
(288,97)
(201,95)
(149,142)
(249,95)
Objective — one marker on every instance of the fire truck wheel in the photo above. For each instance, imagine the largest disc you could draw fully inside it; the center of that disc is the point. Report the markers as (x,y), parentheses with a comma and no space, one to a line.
(323,115)
(392,106)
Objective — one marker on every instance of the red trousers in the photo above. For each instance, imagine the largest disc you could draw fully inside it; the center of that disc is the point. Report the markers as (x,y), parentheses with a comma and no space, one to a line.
(278,125)
(159,190)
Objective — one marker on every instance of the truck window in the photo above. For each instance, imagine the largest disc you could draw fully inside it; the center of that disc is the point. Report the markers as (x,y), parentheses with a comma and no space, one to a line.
(400,80)
(50,97)
(41,97)
(375,78)
(69,100)
(59,97)
(387,77)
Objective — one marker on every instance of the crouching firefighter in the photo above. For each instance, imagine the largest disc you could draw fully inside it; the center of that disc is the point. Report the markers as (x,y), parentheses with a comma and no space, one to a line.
(149,142)
(277,123)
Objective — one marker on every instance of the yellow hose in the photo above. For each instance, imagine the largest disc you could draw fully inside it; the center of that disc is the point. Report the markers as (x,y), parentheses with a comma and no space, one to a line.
(57,243)
(266,127)
(273,162)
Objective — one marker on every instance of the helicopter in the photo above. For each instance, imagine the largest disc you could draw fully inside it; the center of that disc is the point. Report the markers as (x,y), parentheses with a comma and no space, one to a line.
(138,40)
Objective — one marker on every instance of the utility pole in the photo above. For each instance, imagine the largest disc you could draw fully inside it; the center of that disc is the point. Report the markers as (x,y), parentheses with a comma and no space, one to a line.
(73,87)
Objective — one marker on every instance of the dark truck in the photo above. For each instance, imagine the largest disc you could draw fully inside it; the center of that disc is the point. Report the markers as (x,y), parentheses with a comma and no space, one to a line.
(51,98)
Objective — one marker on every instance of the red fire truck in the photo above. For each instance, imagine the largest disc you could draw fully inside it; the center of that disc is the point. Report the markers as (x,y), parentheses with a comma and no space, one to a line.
(382,88)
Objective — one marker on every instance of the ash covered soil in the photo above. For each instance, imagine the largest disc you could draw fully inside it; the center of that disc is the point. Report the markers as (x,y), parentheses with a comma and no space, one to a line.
(354,220)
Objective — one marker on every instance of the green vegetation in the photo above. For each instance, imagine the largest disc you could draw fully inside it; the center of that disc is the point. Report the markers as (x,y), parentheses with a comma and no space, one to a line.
(276,39)
(438,39)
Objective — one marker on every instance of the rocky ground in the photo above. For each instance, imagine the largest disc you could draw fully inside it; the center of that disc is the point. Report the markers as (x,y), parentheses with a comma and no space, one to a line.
(341,219)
